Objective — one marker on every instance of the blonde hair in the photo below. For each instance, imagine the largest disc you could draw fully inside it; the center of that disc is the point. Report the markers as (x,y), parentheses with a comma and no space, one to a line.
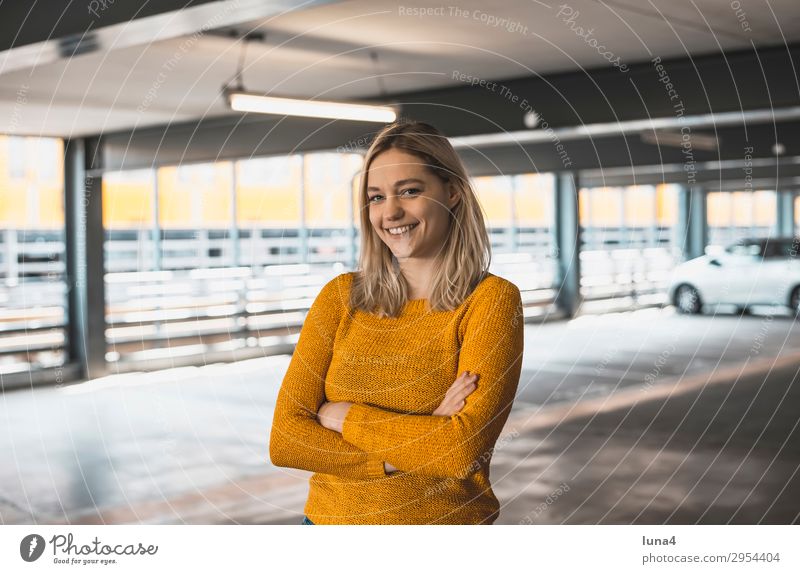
(378,284)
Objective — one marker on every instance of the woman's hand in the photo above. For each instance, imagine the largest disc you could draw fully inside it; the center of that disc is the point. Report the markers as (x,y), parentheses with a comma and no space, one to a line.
(331,415)
(458,391)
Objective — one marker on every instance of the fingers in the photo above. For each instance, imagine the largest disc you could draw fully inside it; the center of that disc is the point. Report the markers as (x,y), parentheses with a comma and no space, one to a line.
(455,396)
(469,381)
(459,391)
(460,380)
(464,379)
(464,391)
(463,382)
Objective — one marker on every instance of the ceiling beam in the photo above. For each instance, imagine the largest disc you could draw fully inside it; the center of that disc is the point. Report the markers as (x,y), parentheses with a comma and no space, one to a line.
(710,87)
(701,85)
(730,175)
(31,36)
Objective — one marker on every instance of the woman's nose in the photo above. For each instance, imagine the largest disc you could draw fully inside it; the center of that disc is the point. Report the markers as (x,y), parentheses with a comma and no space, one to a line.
(393,208)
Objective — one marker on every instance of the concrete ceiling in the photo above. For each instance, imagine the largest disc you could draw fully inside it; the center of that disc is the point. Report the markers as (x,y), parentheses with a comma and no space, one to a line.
(135,80)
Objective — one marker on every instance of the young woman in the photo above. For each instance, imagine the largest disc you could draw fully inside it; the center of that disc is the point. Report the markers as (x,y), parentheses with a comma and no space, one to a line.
(405,371)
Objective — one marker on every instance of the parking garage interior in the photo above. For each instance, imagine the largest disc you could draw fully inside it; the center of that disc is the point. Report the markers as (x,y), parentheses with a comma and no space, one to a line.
(159,251)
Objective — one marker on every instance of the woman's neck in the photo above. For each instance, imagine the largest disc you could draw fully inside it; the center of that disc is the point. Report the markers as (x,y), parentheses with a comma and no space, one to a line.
(418,274)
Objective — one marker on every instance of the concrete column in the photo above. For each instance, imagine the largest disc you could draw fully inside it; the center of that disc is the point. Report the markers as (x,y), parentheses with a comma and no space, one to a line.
(691,230)
(567,239)
(84,249)
(784,222)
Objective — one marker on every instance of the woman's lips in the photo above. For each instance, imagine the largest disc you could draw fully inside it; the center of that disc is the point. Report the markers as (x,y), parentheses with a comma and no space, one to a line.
(404,234)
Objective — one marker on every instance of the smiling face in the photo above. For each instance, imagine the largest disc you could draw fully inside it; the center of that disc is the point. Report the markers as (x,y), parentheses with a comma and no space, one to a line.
(408,204)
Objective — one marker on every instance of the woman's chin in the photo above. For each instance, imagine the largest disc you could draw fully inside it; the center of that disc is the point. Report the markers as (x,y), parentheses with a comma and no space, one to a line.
(399,252)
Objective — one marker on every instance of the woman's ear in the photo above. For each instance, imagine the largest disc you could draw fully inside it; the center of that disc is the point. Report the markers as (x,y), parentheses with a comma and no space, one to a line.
(454,196)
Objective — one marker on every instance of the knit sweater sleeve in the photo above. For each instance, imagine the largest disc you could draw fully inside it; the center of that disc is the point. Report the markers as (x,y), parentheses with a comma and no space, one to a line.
(297,440)
(458,445)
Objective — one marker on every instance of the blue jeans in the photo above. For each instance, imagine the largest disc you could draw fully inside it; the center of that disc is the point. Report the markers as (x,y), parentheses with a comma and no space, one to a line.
(307,521)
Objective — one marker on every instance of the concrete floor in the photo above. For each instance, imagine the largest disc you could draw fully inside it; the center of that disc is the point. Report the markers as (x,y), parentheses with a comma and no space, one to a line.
(644,417)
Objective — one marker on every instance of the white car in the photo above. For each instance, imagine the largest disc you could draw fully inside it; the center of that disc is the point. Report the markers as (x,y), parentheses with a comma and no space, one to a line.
(748,272)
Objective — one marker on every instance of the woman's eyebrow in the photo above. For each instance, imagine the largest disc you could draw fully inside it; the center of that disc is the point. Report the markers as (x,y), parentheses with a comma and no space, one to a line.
(398,183)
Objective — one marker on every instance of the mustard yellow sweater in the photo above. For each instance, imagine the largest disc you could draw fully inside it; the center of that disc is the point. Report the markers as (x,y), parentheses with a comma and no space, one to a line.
(396,372)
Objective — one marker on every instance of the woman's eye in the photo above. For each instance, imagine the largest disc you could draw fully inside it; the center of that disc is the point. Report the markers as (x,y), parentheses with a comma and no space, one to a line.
(413,191)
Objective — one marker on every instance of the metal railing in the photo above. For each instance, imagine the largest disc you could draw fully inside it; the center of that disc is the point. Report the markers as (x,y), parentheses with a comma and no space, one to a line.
(189,302)
(32,300)
(626,267)
(168,316)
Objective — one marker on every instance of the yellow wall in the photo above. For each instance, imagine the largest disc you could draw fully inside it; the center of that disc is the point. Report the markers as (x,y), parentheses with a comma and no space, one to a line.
(328,179)
(269,203)
(742,209)
(15,192)
(765,208)
(533,202)
(719,209)
(640,206)
(666,204)
(195,198)
(494,195)
(797,209)
(601,207)
(127,199)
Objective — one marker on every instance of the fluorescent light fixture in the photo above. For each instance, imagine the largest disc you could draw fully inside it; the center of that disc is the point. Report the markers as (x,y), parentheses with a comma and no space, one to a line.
(247,102)
(677,139)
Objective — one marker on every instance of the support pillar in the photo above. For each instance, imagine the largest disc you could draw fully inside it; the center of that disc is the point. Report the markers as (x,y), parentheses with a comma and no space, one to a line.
(567,240)
(84,250)
(691,230)
(785,217)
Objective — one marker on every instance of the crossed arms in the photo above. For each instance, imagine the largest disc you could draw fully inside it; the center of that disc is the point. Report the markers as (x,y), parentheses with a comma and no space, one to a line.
(430,445)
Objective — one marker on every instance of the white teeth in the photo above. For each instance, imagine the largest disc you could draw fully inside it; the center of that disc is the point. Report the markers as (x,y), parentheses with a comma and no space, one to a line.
(400,230)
